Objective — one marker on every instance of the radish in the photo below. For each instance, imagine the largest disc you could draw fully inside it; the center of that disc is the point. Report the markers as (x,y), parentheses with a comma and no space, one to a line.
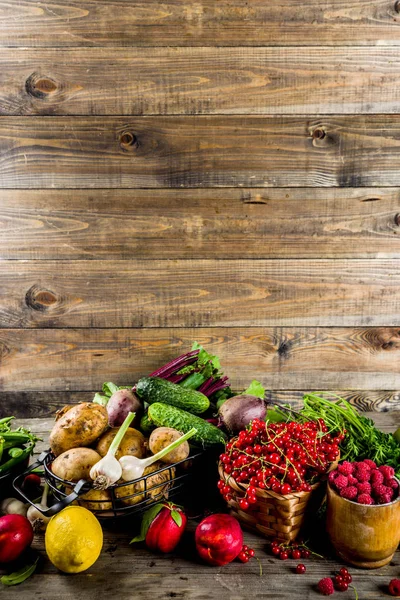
(16,534)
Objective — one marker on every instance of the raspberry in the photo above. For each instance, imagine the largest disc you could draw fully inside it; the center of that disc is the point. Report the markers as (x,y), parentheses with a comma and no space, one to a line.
(391,483)
(362,474)
(364,488)
(332,476)
(325,586)
(369,463)
(345,468)
(341,482)
(365,499)
(387,472)
(394,587)
(377,477)
(380,490)
(350,492)
(384,499)
(352,480)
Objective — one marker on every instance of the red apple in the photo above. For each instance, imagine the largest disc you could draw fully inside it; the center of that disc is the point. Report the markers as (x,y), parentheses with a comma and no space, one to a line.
(16,534)
(219,539)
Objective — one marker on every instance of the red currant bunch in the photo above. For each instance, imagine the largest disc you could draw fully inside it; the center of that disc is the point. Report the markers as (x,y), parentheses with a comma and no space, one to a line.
(245,554)
(342,580)
(282,457)
(292,550)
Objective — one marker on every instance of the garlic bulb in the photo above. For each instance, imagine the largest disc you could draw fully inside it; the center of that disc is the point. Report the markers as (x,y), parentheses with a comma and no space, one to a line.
(35,517)
(12,506)
(108,470)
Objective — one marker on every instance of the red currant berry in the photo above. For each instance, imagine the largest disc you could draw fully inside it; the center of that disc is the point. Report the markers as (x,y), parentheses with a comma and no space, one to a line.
(305,554)
(242,556)
(347,578)
(251,552)
(275,550)
(301,569)
(296,554)
(243,503)
(343,586)
(283,555)
(343,571)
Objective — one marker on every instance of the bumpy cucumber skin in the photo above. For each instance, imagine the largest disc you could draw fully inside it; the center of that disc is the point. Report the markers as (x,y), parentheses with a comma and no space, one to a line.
(155,389)
(146,426)
(164,415)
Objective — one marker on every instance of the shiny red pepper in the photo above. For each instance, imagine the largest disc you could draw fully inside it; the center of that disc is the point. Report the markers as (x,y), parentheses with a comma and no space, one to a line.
(162,527)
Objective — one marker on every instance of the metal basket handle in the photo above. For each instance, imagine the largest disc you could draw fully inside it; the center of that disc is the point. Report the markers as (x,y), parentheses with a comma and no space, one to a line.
(81,487)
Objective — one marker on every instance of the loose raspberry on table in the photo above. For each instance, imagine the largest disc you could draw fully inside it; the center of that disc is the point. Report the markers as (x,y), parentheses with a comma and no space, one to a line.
(364,488)
(365,499)
(394,587)
(345,468)
(387,472)
(341,482)
(325,586)
(369,463)
(377,477)
(350,492)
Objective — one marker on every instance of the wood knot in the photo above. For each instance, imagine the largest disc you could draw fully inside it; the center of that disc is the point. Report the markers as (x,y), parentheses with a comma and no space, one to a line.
(128,140)
(397,219)
(318,134)
(40,86)
(40,299)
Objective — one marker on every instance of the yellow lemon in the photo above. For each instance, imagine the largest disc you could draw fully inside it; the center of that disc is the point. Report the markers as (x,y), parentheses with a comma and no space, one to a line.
(73,539)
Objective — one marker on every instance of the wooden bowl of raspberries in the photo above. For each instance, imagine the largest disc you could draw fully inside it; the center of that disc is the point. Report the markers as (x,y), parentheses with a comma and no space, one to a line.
(363,513)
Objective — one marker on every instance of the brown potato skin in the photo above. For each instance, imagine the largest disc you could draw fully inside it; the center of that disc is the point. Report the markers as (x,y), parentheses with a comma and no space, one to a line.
(151,494)
(80,426)
(162,437)
(133,443)
(75,464)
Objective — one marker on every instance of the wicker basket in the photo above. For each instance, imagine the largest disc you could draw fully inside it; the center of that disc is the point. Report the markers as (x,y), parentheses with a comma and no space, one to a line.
(275,515)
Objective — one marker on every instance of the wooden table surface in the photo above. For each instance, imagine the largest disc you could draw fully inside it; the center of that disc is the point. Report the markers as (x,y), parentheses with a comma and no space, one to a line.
(135,572)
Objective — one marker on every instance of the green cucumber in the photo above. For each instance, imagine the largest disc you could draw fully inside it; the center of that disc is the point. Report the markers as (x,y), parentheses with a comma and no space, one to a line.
(164,415)
(146,426)
(155,389)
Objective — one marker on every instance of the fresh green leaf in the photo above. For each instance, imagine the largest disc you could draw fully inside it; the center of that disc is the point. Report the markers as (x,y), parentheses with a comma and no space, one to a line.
(204,357)
(176,517)
(109,388)
(273,416)
(101,399)
(20,575)
(147,519)
(255,389)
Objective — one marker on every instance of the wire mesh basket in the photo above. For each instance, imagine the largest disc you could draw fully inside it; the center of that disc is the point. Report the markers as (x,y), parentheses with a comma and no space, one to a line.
(119,500)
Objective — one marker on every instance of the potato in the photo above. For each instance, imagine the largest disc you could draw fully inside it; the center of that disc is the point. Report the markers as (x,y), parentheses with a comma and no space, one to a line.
(162,437)
(78,427)
(151,492)
(75,464)
(133,443)
(95,500)
(61,412)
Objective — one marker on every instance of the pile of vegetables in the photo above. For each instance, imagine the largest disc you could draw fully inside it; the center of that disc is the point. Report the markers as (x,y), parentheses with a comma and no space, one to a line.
(16,446)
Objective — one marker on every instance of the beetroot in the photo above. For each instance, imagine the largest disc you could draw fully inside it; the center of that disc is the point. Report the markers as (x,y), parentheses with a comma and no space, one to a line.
(16,534)
(237,412)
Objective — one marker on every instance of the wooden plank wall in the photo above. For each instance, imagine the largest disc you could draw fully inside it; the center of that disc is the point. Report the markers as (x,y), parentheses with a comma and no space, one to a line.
(226,172)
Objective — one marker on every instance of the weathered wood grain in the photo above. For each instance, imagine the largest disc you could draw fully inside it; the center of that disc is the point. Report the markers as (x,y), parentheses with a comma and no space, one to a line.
(145,81)
(199,293)
(225,223)
(43,404)
(204,22)
(281,358)
(199,151)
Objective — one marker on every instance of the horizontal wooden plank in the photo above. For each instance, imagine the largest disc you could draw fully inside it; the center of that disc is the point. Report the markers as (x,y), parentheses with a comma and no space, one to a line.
(281,358)
(43,404)
(203,80)
(199,151)
(198,293)
(205,22)
(196,223)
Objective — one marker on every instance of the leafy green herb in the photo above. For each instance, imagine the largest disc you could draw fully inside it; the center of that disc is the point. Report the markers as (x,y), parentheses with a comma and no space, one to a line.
(21,575)
(255,389)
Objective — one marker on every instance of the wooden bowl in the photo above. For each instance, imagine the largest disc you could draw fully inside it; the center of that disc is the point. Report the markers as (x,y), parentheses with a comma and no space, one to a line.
(362,535)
